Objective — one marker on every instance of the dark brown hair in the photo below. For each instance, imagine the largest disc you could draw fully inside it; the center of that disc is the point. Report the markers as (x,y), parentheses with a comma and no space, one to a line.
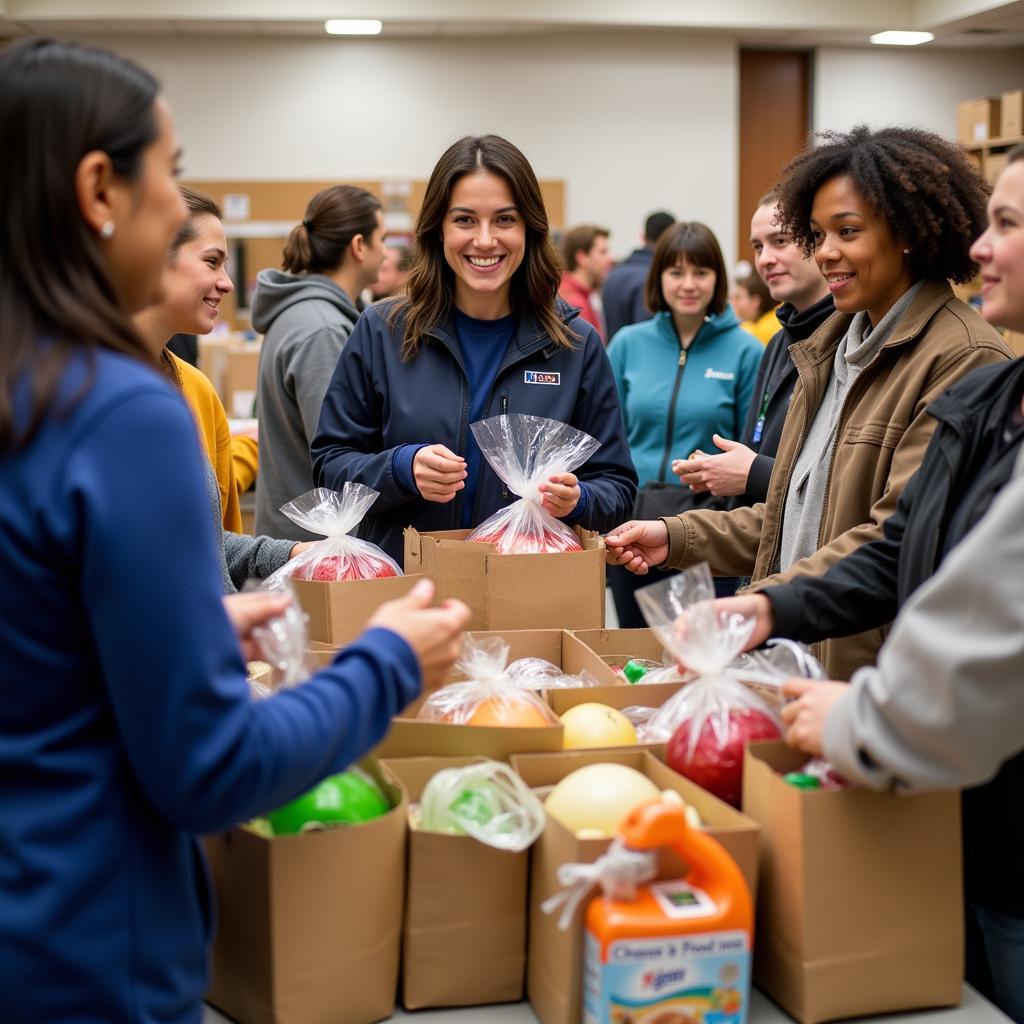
(430,290)
(754,284)
(1015,154)
(921,185)
(656,225)
(582,237)
(333,218)
(687,242)
(58,102)
(198,204)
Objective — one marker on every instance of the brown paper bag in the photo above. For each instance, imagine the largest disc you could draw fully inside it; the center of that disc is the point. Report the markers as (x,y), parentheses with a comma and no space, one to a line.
(309,926)
(860,907)
(464,936)
(554,972)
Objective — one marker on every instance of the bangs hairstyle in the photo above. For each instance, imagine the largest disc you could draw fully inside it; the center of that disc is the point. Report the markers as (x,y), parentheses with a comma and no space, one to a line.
(687,242)
(932,198)
(198,204)
(430,289)
(58,102)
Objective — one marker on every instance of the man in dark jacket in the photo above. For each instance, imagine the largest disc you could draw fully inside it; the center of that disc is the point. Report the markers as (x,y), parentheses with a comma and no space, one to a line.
(623,293)
(795,281)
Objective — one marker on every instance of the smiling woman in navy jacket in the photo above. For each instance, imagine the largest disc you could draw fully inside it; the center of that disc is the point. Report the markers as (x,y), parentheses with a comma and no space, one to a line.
(479,333)
(126,724)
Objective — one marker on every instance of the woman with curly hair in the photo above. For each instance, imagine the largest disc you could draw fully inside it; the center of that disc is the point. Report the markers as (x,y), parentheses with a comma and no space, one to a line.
(889,217)
(479,332)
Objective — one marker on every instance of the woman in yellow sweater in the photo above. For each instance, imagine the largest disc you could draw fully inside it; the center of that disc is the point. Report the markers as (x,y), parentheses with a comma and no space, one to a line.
(195,281)
(755,307)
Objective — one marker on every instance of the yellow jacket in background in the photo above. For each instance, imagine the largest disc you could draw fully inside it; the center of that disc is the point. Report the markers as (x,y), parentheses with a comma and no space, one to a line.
(764,328)
(234,459)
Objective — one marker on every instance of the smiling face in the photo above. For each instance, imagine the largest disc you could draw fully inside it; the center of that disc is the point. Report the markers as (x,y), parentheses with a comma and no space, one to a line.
(595,264)
(484,239)
(195,279)
(688,289)
(1000,252)
(790,275)
(862,261)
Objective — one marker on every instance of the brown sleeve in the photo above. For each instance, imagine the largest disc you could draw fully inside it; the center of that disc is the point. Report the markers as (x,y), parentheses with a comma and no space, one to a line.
(727,541)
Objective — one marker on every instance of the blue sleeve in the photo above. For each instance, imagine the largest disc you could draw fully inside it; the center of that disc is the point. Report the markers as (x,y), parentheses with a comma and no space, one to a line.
(204,752)
(609,474)
(349,440)
(401,466)
(750,363)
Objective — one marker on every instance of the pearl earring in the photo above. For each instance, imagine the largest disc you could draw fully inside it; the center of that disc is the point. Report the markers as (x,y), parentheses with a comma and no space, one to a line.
(906,252)
(107,231)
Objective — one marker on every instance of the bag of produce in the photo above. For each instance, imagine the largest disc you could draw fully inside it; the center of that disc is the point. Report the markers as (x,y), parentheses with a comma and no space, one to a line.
(525,451)
(339,556)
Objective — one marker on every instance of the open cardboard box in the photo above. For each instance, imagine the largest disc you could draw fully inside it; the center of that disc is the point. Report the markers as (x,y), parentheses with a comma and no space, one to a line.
(554,957)
(338,612)
(860,907)
(564,591)
(464,936)
(309,927)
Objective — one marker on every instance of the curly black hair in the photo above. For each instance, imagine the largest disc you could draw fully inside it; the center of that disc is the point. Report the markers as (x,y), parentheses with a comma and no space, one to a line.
(923,186)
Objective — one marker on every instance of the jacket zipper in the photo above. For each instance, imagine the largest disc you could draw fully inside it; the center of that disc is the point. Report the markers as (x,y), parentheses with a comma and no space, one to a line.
(504,412)
(670,427)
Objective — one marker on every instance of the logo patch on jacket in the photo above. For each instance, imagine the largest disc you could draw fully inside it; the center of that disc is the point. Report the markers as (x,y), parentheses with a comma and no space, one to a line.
(536,377)
(710,374)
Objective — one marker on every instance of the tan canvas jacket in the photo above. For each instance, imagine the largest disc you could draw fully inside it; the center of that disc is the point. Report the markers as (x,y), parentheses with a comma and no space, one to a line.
(881,438)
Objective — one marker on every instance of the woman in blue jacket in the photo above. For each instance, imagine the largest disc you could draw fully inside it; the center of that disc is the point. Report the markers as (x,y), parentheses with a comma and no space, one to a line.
(126,725)
(684,378)
(480,332)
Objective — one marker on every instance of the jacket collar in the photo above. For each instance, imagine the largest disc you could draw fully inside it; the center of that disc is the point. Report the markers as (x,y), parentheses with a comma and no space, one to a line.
(822,344)
(982,396)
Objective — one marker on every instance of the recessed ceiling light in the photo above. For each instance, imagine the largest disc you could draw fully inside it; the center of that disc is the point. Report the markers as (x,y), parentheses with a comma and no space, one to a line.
(353,26)
(897,38)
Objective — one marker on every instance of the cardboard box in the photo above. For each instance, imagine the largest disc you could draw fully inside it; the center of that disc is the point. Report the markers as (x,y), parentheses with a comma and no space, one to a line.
(1011,114)
(993,165)
(860,906)
(977,120)
(338,612)
(561,591)
(241,368)
(309,927)
(554,957)
(464,936)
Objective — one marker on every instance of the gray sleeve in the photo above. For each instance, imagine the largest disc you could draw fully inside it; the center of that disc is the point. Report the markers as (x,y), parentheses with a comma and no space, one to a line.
(253,557)
(308,367)
(945,706)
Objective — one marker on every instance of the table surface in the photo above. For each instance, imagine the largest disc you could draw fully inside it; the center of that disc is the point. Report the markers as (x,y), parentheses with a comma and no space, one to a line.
(972,1010)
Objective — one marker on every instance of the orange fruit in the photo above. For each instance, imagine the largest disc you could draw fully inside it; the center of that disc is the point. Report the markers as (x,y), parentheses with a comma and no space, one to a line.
(510,712)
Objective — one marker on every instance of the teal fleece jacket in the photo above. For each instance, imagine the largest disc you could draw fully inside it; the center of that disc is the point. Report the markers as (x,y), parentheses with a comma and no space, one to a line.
(714,388)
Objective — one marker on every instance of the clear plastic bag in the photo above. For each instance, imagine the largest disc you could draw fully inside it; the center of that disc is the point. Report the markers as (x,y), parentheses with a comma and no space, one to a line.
(538,674)
(709,722)
(485,800)
(524,451)
(282,642)
(488,696)
(334,515)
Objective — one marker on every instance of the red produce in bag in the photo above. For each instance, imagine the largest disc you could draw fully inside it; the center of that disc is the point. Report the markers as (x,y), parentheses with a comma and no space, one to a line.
(710,721)
(489,695)
(524,451)
(338,556)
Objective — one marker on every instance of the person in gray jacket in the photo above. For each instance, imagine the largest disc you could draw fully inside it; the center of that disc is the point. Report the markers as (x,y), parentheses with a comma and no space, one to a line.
(306,313)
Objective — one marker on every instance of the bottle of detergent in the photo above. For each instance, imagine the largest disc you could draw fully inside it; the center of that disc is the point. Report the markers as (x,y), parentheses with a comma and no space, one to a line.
(676,952)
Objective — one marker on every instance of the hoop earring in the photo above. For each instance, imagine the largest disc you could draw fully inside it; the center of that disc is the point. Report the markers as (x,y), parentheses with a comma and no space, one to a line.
(906,252)
(107,230)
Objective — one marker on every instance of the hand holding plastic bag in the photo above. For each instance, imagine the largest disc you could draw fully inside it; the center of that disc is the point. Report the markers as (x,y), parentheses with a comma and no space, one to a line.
(488,696)
(282,642)
(524,451)
(338,556)
(709,722)
(487,801)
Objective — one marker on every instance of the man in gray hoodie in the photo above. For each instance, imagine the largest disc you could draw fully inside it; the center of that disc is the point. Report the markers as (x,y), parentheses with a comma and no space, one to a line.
(306,315)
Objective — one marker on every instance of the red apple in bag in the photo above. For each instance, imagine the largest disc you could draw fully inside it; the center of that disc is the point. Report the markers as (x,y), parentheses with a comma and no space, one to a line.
(716,762)
(527,543)
(334,568)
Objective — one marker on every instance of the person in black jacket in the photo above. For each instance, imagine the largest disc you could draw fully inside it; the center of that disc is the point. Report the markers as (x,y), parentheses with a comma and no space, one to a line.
(622,295)
(969,460)
(794,280)
(479,332)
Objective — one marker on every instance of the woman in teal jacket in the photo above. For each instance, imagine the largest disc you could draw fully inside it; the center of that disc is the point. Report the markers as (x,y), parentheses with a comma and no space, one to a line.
(683,377)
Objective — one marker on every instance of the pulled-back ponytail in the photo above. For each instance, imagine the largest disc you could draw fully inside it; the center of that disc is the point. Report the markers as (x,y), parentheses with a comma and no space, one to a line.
(333,218)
